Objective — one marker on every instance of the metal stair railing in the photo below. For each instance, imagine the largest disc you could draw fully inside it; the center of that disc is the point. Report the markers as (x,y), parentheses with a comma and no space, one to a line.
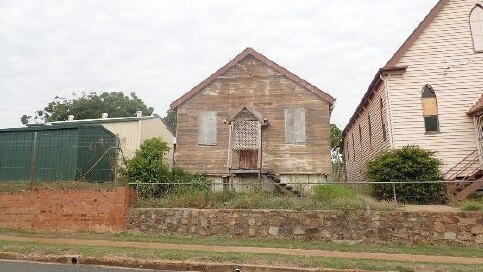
(462,166)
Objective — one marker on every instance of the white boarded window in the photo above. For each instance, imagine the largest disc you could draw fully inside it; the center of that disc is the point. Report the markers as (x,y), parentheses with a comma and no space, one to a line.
(476,23)
(207,128)
(295,126)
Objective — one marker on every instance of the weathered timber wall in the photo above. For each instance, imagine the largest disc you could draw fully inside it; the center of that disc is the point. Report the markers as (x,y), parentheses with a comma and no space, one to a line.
(463,228)
(252,83)
(86,210)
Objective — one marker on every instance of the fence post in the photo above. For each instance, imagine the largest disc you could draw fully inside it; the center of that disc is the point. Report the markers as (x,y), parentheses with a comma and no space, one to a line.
(116,158)
(34,162)
(394,192)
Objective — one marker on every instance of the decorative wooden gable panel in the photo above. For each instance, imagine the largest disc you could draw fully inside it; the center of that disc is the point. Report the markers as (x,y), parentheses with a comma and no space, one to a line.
(246,129)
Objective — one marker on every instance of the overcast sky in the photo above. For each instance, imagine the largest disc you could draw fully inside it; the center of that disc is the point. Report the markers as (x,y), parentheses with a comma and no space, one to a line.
(162,49)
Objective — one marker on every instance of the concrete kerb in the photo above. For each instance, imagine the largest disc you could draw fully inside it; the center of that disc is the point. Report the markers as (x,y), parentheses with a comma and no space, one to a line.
(161,264)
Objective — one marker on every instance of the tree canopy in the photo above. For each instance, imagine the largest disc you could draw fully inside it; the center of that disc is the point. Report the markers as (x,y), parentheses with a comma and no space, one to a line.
(89,106)
(170,120)
(335,143)
(335,136)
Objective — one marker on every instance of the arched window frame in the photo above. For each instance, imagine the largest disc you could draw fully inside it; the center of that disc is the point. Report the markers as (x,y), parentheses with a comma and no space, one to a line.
(477,40)
(429,103)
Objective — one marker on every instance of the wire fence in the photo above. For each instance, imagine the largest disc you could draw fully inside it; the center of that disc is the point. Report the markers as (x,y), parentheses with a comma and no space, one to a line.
(306,188)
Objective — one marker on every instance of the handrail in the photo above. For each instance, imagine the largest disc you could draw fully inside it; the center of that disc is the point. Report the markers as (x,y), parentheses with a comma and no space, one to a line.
(460,168)
(468,166)
(453,168)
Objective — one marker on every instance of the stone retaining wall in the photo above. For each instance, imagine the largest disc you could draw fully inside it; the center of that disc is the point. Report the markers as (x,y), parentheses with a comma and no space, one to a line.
(71,210)
(397,227)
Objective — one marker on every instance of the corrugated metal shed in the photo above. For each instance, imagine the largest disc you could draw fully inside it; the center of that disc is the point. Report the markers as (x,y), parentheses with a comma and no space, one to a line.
(79,152)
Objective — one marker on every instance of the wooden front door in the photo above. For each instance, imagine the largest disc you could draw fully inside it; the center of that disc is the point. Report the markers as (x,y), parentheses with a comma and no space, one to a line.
(248,159)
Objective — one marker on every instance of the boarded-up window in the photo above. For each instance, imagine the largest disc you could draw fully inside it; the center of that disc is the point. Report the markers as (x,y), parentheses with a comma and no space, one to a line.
(431,123)
(360,135)
(476,24)
(353,147)
(430,109)
(295,126)
(383,125)
(347,149)
(207,128)
(370,129)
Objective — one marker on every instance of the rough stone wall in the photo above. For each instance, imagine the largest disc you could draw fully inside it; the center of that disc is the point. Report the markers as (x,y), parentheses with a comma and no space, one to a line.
(86,210)
(463,228)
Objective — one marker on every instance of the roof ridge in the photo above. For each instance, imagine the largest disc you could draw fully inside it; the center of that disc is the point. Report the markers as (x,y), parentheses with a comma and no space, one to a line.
(250,51)
(416,33)
(391,63)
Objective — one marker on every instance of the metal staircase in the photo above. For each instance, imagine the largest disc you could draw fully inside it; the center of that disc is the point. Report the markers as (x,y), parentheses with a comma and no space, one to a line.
(467,175)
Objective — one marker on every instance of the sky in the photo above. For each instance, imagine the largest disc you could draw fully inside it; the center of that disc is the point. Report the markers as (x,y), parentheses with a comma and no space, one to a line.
(162,49)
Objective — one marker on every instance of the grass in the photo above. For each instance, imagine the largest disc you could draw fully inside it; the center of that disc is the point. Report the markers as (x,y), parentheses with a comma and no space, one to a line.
(475,204)
(332,192)
(21,186)
(226,257)
(332,198)
(254,242)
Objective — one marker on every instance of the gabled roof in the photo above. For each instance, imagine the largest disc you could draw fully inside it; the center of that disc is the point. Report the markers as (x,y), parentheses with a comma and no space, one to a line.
(375,82)
(251,52)
(391,64)
(416,33)
(477,107)
(255,113)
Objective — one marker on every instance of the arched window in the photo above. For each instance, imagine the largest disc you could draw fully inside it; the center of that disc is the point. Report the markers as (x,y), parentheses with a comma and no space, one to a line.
(476,24)
(430,109)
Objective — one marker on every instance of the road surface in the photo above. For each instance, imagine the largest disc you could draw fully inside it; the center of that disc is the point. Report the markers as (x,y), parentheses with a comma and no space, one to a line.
(20,266)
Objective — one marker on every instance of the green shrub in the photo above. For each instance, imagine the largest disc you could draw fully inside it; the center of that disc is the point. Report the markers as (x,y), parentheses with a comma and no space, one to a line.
(407,164)
(183,181)
(329,192)
(149,166)
(472,205)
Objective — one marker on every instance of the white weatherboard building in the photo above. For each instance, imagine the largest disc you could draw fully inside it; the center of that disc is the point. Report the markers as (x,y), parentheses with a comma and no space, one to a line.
(131,131)
(428,94)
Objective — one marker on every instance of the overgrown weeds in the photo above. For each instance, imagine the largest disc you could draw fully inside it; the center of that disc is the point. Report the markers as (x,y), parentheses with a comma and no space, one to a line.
(258,199)
(20,186)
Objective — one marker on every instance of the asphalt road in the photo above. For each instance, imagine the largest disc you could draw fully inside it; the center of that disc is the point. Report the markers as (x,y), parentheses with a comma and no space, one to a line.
(19,266)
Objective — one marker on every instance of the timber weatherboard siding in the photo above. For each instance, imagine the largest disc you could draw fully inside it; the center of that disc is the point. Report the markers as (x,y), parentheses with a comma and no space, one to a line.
(133,133)
(367,148)
(443,57)
(255,84)
(446,42)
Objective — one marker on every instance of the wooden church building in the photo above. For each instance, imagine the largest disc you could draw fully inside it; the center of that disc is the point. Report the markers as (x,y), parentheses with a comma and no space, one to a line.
(253,117)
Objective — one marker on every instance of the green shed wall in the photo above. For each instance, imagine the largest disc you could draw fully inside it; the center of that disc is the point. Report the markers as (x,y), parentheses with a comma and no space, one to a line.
(66,153)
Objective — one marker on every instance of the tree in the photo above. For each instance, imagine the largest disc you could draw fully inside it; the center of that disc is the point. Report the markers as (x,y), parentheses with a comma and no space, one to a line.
(407,164)
(335,143)
(170,120)
(90,106)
